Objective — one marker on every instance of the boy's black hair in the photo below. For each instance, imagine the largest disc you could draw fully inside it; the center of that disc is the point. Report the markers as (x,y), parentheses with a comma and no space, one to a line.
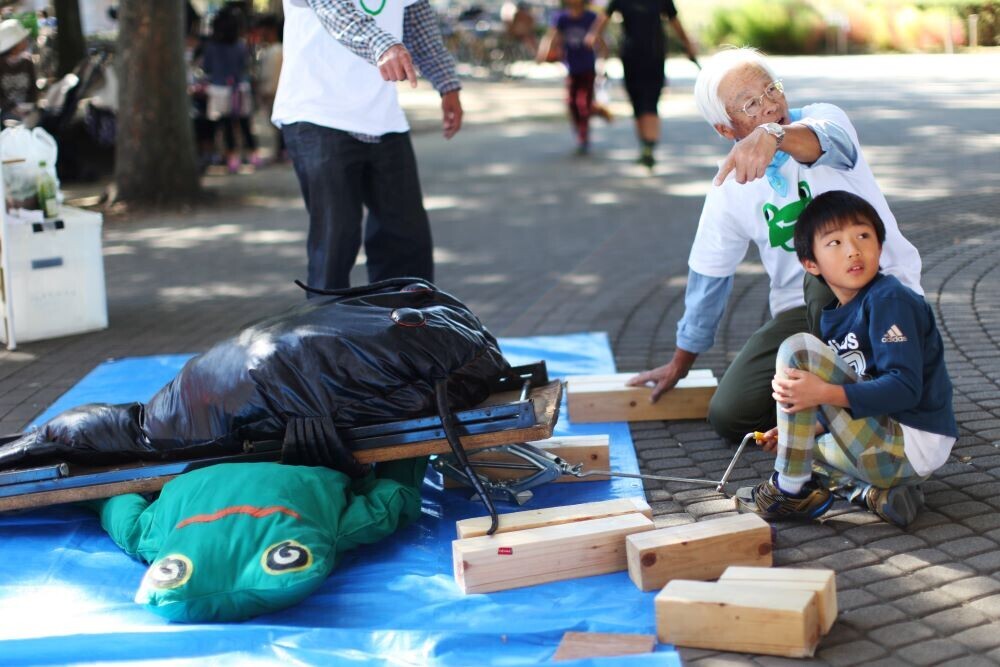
(832,210)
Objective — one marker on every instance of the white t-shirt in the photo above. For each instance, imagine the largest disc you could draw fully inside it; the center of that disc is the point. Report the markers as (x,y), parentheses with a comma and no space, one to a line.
(324,83)
(735,215)
(926,451)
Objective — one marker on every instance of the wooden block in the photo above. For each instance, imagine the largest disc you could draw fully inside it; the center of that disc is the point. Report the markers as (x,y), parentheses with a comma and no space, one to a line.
(579,645)
(553,516)
(605,398)
(700,550)
(589,450)
(745,619)
(823,582)
(539,555)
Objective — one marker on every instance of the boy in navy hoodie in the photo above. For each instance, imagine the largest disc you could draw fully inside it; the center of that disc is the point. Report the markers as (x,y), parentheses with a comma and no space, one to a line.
(871,402)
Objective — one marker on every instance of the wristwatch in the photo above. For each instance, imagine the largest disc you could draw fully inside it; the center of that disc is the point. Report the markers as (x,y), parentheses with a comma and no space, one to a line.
(775,131)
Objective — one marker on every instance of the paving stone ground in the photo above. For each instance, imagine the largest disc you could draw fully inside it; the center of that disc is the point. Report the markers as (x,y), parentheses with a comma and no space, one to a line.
(541,242)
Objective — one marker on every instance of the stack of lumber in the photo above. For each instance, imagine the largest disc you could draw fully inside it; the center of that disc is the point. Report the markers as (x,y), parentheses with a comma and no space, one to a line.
(605,398)
(552,544)
(775,611)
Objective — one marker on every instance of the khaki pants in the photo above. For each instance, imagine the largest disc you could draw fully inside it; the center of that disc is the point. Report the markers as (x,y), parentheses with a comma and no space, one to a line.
(743,402)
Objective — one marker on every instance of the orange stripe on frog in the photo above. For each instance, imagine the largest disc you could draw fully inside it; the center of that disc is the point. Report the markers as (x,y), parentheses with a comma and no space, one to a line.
(255,512)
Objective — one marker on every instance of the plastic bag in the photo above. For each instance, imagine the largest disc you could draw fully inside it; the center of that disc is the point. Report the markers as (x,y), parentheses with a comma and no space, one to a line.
(367,355)
(22,151)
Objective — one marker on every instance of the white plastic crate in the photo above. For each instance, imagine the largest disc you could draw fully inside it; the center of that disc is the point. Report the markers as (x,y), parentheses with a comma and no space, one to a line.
(54,276)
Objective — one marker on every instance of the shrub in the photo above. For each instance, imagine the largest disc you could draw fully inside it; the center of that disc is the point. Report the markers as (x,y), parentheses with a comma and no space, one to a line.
(789,26)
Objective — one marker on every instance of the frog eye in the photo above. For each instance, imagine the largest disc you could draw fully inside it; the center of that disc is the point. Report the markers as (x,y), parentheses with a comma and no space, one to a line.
(172,571)
(286,556)
(770,210)
(804,191)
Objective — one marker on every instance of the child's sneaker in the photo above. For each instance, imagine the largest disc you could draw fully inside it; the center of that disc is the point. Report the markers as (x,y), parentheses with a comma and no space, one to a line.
(770,502)
(897,505)
(234,165)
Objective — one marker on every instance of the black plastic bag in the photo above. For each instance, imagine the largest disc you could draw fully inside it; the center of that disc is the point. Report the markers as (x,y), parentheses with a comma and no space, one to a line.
(353,357)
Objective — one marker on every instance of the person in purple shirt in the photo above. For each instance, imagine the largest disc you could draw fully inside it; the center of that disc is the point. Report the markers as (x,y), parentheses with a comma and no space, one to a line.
(568,33)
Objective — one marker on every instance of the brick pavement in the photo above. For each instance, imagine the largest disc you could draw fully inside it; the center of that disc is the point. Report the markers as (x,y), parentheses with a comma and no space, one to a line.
(539,242)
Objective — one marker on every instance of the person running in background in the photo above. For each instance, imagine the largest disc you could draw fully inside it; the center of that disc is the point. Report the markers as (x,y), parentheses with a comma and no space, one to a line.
(568,34)
(643,52)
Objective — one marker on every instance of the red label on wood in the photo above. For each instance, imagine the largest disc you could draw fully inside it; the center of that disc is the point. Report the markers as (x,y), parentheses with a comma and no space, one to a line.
(505,551)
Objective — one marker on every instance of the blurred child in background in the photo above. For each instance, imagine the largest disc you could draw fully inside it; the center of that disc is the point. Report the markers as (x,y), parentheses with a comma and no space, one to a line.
(567,35)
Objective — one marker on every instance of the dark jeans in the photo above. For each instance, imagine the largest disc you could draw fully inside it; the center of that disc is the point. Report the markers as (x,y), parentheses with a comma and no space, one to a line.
(340,177)
(742,402)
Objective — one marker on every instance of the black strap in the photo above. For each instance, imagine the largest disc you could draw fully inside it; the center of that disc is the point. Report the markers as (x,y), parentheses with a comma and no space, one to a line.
(444,412)
(313,441)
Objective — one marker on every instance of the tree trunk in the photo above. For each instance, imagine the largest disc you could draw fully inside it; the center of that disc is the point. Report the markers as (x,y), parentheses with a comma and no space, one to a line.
(70,46)
(155,161)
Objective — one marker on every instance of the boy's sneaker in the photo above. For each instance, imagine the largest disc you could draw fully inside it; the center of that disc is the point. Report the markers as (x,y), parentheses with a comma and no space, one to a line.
(770,502)
(897,505)
(646,159)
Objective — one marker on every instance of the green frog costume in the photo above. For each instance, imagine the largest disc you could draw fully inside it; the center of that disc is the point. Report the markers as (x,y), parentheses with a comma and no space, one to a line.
(233,541)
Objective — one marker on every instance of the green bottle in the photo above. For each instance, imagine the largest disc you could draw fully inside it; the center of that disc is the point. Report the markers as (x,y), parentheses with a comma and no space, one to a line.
(47,192)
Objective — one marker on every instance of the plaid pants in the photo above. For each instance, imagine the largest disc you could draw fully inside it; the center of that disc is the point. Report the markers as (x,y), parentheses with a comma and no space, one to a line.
(868,450)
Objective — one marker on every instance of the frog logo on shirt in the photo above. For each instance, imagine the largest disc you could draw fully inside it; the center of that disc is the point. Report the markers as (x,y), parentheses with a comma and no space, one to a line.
(781,222)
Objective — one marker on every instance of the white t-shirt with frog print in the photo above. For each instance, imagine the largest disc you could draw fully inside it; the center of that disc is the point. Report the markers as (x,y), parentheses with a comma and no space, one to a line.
(735,215)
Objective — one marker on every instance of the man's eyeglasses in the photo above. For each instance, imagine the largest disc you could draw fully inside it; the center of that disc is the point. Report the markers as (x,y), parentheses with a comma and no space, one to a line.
(774,91)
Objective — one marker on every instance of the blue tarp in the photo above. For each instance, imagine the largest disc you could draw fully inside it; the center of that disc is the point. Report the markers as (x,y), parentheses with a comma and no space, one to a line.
(66,590)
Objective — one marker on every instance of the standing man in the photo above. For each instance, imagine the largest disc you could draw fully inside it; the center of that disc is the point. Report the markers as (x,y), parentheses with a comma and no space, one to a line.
(643,53)
(757,197)
(347,136)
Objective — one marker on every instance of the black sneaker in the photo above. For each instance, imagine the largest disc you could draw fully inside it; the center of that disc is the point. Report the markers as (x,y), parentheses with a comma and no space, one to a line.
(647,160)
(897,505)
(770,502)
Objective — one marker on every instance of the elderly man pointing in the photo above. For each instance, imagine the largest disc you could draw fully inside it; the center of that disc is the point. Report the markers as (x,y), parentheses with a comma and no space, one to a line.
(782,158)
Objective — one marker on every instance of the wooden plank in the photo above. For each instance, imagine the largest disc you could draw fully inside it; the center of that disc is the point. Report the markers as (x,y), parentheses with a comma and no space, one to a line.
(745,619)
(539,555)
(617,379)
(700,550)
(579,645)
(609,400)
(545,401)
(592,451)
(823,582)
(553,516)
(46,498)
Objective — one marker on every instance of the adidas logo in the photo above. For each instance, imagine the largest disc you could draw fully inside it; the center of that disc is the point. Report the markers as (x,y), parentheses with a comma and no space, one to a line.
(894,335)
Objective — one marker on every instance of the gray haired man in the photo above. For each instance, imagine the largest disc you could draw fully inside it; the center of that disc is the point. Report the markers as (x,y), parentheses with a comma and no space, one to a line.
(781,158)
